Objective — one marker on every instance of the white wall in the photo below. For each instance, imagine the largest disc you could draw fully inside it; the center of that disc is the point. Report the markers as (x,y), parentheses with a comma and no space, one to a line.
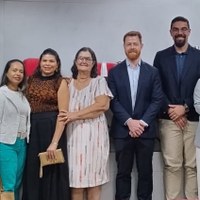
(28,27)
(1,37)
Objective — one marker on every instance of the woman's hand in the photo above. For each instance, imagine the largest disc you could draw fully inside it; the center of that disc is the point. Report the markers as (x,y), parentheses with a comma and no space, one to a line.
(67,117)
(51,150)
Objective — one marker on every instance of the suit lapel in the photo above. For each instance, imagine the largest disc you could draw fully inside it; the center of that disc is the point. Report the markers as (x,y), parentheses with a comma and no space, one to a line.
(125,78)
(141,79)
(7,93)
(172,65)
(141,82)
(187,64)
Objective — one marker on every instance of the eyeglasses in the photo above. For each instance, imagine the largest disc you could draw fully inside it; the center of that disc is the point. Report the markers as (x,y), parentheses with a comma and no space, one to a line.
(177,30)
(87,59)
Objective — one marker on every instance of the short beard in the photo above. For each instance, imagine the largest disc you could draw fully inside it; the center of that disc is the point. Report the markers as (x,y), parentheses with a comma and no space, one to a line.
(134,56)
(180,43)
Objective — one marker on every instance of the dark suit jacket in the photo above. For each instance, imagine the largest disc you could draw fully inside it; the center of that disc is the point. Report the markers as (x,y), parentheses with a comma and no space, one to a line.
(178,93)
(148,100)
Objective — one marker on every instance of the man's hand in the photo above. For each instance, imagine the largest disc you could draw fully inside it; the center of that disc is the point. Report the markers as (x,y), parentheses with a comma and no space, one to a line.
(181,122)
(176,111)
(136,128)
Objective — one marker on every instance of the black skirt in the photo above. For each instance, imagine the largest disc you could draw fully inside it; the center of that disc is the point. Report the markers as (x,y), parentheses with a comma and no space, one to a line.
(54,185)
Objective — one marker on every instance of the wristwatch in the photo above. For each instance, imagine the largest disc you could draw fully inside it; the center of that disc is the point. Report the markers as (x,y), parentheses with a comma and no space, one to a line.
(186,108)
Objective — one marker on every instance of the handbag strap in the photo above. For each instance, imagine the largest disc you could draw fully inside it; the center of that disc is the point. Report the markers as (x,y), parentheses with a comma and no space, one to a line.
(41,170)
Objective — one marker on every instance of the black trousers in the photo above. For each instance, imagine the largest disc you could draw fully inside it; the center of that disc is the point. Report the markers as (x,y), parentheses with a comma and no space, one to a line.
(126,150)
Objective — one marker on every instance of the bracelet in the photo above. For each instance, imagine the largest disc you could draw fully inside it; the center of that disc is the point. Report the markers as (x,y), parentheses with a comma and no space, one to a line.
(56,143)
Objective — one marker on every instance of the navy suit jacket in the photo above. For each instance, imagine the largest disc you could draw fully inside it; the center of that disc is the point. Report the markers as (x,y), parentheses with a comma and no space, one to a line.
(178,93)
(148,99)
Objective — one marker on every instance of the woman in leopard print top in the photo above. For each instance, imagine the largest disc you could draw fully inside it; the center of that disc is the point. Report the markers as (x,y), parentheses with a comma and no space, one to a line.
(43,93)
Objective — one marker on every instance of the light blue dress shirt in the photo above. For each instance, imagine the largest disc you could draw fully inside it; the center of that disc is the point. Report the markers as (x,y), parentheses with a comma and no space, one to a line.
(133,74)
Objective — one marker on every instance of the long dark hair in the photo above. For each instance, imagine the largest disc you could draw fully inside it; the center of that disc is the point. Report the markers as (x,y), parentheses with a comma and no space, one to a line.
(5,80)
(53,53)
(74,69)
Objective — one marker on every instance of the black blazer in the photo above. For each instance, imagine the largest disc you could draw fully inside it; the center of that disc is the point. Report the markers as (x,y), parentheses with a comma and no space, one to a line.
(148,100)
(178,93)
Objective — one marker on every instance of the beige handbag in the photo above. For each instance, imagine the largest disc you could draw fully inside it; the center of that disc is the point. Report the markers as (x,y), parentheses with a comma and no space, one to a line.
(44,161)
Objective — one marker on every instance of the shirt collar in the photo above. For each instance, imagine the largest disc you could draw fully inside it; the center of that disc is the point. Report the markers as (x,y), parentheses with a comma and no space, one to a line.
(183,53)
(128,64)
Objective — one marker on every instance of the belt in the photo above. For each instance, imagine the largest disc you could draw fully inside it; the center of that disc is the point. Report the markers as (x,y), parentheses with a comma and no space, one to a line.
(21,135)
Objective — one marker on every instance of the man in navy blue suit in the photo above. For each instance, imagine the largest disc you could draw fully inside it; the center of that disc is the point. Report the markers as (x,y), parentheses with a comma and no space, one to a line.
(179,68)
(136,88)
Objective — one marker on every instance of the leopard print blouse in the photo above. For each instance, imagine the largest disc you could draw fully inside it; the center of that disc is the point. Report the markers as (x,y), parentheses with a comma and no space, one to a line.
(41,93)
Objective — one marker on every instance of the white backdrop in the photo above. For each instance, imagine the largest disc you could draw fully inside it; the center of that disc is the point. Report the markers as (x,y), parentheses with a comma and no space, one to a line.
(27,27)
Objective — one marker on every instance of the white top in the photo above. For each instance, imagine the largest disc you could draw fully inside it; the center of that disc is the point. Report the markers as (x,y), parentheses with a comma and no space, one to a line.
(14,115)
